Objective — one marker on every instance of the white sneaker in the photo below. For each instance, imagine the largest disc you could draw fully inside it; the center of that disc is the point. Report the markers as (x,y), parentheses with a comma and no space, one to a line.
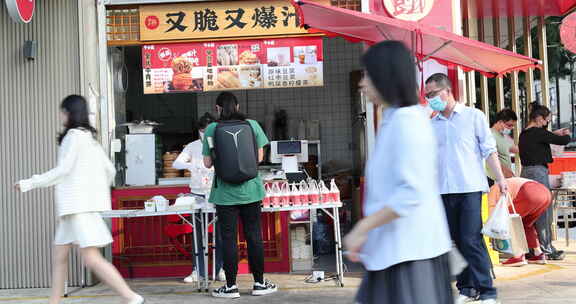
(264,289)
(193,277)
(461,299)
(221,276)
(490,301)
(226,292)
(138,300)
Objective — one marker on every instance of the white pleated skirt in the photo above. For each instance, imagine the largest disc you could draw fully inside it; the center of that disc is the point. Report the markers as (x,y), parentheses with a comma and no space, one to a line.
(83,229)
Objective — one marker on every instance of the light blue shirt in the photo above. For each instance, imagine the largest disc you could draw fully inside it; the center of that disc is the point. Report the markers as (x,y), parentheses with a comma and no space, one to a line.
(464,142)
(401,174)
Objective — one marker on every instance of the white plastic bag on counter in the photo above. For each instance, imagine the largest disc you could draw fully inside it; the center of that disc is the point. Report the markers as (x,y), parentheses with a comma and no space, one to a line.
(313,192)
(325,196)
(304,193)
(334,191)
(161,203)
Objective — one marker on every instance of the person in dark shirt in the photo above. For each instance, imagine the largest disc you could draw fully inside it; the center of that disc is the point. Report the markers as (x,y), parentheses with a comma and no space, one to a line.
(535,155)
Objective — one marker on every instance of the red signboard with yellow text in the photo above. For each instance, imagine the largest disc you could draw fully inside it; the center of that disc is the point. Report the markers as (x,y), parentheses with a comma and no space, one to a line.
(233,65)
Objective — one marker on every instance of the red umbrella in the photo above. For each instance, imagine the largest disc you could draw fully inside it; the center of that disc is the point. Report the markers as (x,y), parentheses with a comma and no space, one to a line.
(427,42)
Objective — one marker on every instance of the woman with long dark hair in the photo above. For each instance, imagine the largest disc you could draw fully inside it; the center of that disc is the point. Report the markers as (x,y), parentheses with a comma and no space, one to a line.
(235,201)
(404,239)
(82,178)
(535,155)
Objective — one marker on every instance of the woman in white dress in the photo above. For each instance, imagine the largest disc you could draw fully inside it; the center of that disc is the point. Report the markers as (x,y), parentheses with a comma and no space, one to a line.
(82,178)
(403,241)
(191,159)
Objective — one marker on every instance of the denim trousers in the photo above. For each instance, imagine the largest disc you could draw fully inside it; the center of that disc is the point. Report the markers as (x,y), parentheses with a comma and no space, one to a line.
(464,213)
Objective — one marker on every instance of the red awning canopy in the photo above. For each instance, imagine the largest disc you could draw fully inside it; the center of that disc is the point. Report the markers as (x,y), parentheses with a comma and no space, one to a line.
(428,42)
(521,8)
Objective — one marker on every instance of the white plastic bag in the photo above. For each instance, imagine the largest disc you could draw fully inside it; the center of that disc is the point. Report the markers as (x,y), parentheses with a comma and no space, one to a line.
(498,224)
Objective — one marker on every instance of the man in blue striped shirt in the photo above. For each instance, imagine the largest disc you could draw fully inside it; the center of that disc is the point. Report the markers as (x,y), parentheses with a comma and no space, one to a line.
(464,141)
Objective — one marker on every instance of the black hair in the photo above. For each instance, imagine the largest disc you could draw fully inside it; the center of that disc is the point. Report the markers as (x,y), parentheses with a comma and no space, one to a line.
(391,67)
(441,80)
(77,109)
(228,107)
(537,110)
(205,120)
(506,115)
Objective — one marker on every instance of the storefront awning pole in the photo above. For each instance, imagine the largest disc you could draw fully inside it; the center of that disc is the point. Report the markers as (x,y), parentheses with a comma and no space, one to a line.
(383,33)
(445,44)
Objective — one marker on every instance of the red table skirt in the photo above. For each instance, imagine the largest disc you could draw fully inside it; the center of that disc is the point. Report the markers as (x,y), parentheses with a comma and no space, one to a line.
(142,249)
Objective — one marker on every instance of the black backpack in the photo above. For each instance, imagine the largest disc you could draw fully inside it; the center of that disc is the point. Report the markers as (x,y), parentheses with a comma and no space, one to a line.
(235,152)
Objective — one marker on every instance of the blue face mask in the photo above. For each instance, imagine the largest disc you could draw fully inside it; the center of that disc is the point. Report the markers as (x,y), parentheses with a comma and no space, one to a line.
(437,104)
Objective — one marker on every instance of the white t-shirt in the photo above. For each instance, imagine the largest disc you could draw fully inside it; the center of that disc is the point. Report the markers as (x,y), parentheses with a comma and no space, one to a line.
(191,159)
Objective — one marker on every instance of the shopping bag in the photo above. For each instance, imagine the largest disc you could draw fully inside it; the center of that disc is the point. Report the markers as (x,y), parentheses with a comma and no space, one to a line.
(498,224)
(516,244)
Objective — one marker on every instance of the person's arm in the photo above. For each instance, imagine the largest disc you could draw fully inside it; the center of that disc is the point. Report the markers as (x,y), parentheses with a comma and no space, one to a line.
(183,161)
(507,171)
(494,163)
(260,155)
(488,150)
(206,149)
(514,149)
(67,159)
(358,236)
(406,176)
(548,137)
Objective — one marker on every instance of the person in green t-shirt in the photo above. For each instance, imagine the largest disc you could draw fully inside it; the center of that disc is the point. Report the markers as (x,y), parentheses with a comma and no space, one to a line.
(501,130)
(233,201)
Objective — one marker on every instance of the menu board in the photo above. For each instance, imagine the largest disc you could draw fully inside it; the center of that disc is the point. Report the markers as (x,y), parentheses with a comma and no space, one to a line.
(233,65)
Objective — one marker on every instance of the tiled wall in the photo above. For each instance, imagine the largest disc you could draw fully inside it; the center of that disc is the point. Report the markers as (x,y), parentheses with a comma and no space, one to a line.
(330,104)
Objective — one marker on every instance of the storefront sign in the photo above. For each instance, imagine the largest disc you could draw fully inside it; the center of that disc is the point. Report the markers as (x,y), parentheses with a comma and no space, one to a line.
(437,13)
(411,10)
(568,32)
(21,10)
(217,20)
(233,65)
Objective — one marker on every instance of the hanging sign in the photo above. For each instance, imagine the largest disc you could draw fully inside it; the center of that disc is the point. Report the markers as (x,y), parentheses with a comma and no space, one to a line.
(218,20)
(233,65)
(411,10)
(21,11)
(568,32)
